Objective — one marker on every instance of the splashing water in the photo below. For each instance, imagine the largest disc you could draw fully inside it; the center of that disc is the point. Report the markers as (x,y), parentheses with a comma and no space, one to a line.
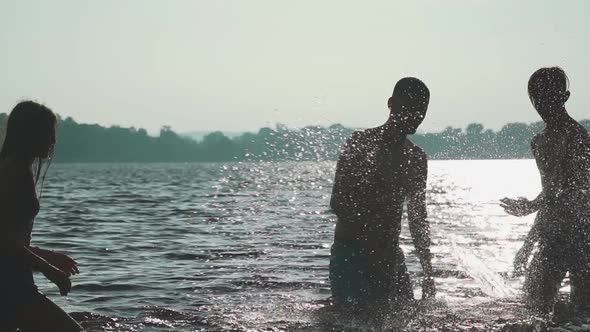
(490,282)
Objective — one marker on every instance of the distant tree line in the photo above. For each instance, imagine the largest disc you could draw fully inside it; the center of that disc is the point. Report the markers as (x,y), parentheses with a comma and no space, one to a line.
(94,143)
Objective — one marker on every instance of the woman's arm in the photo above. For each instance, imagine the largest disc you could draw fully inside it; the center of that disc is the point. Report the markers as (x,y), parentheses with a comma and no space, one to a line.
(59,260)
(27,256)
(18,201)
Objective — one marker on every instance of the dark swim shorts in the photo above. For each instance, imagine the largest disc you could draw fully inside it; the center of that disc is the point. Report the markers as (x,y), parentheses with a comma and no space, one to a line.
(349,273)
(354,281)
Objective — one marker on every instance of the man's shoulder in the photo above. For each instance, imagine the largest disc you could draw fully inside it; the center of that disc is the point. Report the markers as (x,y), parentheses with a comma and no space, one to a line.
(578,140)
(362,139)
(365,134)
(579,132)
(538,137)
(353,145)
(356,135)
(415,151)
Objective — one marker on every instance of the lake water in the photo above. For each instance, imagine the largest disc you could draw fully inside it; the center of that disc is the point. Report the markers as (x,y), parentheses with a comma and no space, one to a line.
(245,246)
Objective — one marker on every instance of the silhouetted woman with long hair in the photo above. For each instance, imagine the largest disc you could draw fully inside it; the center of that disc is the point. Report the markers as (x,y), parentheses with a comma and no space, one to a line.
(28,143)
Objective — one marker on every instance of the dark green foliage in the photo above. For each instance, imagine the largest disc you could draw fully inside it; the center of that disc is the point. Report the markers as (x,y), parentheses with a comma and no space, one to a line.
(93,143)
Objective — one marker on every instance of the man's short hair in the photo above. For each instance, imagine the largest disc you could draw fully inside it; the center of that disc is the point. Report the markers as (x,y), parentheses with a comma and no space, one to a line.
(549,80)
(412,87)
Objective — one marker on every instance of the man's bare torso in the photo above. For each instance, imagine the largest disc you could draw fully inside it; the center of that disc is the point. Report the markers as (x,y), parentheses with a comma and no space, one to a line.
(372,181)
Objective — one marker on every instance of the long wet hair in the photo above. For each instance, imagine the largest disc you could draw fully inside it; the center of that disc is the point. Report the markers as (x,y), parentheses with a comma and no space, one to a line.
(28,127)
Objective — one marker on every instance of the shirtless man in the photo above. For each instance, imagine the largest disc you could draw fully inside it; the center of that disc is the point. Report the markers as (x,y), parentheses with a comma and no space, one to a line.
(562,226)
(379,169)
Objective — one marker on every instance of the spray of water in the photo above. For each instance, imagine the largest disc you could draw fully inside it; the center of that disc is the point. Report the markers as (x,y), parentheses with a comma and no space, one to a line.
(492,284)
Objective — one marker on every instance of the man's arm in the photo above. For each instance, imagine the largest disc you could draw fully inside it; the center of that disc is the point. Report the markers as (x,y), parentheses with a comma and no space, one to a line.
(336,198)
(420,228)
(340,199)
(522,256)
(535,232)
(538,202)
(521,206)
(419,225)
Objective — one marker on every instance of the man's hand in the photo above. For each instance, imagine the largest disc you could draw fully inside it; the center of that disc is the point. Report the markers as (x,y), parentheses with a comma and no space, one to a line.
(428,288)
(517,207)
(521,259)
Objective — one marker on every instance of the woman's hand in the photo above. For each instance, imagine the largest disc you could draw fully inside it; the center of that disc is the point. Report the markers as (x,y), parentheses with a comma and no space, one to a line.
(59,278)
(517,207)
(62,262)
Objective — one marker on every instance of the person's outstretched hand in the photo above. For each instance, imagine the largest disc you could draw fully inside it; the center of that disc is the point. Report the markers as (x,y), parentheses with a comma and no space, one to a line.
(428,288)
(60,278)
(62,262)
(517,207)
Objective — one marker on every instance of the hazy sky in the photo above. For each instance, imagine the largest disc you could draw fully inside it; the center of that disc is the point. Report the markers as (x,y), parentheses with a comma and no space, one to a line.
(241,65)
